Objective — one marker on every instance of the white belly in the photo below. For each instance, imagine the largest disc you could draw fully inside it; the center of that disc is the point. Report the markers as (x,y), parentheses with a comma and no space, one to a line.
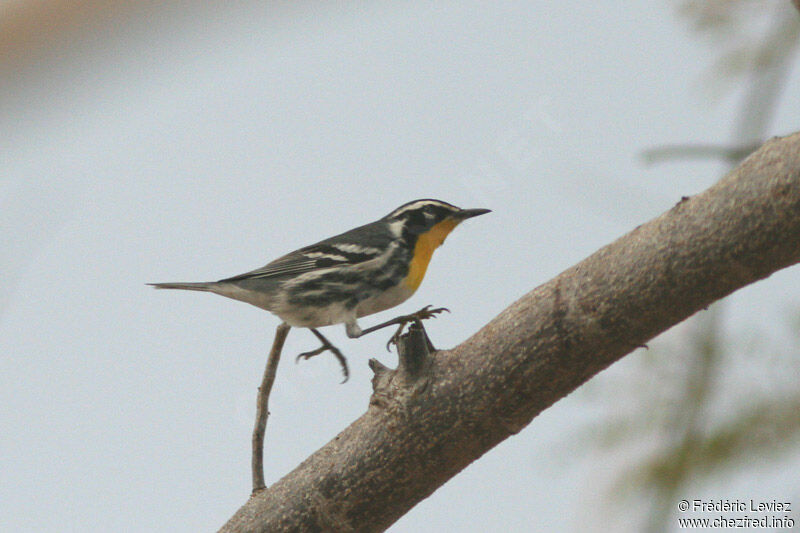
(314,317)
(386,300)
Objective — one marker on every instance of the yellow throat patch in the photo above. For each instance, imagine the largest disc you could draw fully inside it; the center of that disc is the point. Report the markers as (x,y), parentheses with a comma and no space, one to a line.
(423,250)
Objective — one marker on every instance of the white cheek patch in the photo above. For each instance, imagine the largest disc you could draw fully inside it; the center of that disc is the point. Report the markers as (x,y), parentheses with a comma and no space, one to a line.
(396,228)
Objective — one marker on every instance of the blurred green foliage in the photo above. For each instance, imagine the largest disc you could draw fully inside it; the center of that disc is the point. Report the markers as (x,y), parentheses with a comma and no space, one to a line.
(683,422)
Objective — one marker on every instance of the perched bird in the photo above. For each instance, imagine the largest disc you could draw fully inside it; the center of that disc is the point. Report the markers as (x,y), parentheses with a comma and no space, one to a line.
(341,279)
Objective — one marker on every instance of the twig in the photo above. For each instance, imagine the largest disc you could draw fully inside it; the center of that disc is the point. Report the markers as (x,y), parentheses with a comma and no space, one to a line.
(262,406)
(732,154)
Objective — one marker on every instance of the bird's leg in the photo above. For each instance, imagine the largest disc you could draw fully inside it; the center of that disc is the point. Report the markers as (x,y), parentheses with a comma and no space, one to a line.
(326,347)
(423,314)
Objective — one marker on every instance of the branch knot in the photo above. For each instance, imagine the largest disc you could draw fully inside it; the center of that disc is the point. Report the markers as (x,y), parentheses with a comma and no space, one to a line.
(412,373)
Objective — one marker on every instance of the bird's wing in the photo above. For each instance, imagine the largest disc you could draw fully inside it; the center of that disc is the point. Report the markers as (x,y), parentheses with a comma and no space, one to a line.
(336,251)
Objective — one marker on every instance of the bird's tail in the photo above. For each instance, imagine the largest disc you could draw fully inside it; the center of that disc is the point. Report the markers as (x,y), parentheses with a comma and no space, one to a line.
(202,286)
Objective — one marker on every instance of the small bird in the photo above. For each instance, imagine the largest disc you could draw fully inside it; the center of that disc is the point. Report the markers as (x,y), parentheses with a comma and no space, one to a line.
(341,279)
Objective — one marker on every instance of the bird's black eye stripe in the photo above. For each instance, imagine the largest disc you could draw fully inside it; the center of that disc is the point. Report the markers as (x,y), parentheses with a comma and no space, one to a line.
(416,218)
(440,213)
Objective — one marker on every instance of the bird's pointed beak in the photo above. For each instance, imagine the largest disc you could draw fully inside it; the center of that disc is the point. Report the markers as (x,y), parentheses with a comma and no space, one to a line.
(469,213)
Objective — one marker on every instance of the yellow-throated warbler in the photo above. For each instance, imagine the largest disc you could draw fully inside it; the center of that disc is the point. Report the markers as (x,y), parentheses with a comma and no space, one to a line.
(360,272)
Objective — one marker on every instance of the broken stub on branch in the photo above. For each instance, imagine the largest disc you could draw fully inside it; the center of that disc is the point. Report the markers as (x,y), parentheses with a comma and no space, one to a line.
(412,373)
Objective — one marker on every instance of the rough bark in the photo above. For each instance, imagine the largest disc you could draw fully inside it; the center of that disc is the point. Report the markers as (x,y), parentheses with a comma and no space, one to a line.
(437,413)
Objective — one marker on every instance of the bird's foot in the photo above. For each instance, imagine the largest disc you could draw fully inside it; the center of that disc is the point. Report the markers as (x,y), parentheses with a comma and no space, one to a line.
(423,314)
(326,347)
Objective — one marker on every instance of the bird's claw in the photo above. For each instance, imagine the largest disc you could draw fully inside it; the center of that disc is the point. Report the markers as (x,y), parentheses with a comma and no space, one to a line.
(426,312)
(309,355)
(423,314)
(396,337)
(327,348)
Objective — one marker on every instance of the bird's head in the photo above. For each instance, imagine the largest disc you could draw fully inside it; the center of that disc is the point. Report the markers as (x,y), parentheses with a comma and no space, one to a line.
(434,219)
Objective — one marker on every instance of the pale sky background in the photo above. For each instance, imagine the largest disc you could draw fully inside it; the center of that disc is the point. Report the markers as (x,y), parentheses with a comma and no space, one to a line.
(191,143)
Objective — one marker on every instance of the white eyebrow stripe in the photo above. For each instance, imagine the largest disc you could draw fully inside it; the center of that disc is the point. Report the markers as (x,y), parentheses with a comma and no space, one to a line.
(417,205)
(322,255)
(357,249)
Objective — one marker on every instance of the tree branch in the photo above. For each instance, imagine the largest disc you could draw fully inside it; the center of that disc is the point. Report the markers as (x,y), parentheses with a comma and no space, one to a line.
(422,429)
(262,405)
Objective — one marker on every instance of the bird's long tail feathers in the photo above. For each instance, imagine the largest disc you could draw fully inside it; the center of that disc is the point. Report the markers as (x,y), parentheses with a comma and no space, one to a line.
(203,286)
